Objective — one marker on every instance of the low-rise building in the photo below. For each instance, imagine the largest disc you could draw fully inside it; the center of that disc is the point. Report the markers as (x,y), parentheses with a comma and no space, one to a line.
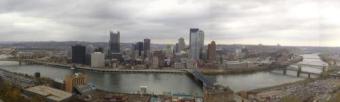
(74,80)
(48,93)
(155,62)
(179,65)
(236,64)
(218,94)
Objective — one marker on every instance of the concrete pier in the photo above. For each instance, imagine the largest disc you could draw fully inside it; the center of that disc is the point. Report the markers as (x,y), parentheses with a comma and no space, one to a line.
(299,71)
(285,71)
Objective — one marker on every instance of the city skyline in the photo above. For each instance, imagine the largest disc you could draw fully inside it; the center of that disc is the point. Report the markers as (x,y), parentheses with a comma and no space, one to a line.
(288,22)
(170,51)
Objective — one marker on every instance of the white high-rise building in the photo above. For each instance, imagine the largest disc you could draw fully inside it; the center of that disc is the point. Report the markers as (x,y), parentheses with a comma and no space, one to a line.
(97,59)
(196,43)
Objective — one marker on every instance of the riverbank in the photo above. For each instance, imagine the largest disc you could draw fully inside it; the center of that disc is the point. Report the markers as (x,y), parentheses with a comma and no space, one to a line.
(310,90)
(136,70)
(232,71)
(69,66)
(241,70)
(282,85)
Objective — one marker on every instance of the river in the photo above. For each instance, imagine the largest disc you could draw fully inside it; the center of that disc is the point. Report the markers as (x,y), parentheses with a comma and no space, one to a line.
(311,59)
(159,83)
(250,81)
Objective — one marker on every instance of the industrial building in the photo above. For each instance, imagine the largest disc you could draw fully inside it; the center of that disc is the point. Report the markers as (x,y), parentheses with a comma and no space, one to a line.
(48,93)
(74,80)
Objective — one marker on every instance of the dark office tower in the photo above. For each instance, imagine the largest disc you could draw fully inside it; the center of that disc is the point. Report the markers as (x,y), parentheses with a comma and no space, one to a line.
(147,44)
(114,42)
(139,48)
(212,51)
(176,49)
(78,54)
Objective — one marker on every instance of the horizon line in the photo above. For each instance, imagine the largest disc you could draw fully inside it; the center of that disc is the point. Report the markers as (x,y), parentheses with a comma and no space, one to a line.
(1,42)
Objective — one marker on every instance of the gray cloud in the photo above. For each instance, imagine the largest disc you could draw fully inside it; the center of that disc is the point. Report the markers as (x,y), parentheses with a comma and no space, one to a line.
(289,22)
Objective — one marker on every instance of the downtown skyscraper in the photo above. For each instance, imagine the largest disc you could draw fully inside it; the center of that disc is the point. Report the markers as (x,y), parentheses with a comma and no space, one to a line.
(196,43)
(114,44)
(181,44)
(78,54)
(212,51)
(147,51)
(139,47)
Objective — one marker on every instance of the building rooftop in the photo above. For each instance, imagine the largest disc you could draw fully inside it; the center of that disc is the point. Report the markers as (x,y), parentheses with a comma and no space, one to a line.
(84,89)
(50,93)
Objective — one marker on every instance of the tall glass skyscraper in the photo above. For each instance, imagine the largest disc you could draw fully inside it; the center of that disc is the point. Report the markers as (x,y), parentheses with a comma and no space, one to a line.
(114,44)
(196,43)
(139,48)
(147,51)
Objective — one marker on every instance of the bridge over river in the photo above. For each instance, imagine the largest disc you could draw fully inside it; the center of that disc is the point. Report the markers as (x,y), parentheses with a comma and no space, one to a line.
(311,65)
(207,83)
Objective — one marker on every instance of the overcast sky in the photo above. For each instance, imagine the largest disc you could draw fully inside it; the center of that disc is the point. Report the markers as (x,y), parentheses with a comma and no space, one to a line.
(285,22)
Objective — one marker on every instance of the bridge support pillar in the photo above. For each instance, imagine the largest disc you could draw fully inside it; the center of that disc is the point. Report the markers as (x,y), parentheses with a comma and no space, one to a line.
(284,71)
(323,69)
(299,71)
(308,75)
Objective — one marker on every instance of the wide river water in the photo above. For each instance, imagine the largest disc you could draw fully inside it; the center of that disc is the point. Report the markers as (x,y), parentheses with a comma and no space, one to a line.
(161,83)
